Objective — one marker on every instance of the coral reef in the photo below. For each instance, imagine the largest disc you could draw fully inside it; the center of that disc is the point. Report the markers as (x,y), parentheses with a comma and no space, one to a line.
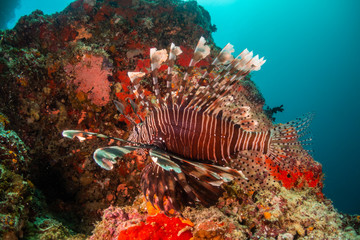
(61,72)
(15,189)
(276,214)
(132,223)
(23,212)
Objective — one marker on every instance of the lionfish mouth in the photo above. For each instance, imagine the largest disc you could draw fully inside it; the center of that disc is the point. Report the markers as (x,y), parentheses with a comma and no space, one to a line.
(196,143)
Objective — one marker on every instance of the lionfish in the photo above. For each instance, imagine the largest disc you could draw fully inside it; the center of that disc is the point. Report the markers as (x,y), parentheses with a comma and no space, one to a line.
(196,146)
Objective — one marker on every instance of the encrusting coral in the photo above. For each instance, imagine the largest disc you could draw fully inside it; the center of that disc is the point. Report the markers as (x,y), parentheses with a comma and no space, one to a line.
(293,214)
(91,76)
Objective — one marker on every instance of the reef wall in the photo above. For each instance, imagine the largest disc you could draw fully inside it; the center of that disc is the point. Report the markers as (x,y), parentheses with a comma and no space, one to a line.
(62,72)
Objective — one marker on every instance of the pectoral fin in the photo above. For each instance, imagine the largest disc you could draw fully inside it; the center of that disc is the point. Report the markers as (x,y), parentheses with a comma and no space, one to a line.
(106,157)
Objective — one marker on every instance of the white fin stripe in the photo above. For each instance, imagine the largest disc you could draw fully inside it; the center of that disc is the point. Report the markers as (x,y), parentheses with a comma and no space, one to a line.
(247,139)
(160,120)
(254,144)
(211,128)
(232,126)
(262,147)
(203,125)
(212,135)
(204,150)
(191,134)
(238,141)
(223,134)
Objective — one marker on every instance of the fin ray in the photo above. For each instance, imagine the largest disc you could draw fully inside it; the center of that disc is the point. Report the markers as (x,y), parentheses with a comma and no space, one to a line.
(106,157)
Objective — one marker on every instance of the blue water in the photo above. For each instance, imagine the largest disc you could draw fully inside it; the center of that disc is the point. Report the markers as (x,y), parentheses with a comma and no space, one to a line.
(26,7)
(313,50)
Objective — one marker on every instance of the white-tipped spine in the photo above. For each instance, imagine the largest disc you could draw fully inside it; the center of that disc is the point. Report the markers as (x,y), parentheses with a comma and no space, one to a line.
(174,51)
(157,57)
(225,56)
(201,52)
(248,63)
(134,76)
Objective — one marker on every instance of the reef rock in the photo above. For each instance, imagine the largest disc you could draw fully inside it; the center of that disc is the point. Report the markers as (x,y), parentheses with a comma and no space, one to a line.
(60,72)
(23,211)
(280,214)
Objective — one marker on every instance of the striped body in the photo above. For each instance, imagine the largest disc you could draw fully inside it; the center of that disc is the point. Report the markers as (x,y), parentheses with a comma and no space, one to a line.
(198,136)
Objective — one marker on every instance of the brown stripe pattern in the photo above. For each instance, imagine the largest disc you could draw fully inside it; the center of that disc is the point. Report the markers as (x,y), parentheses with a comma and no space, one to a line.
(199,136)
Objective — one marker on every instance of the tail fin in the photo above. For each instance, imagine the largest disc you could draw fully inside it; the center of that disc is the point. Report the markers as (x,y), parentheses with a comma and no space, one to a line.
(289,139)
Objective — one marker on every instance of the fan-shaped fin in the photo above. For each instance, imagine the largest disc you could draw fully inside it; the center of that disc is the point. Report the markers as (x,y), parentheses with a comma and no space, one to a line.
(174,52)
(190,181)
(83,135)
(201,52)
(106,157)
(157,57)
(163,160)
(135,78)
(284,136)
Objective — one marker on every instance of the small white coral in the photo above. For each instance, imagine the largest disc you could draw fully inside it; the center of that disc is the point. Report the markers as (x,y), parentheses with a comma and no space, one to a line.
(201,51)
(157,57)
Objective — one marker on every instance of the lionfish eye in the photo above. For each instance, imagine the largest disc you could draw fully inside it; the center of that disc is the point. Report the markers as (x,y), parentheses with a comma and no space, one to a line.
(137,128)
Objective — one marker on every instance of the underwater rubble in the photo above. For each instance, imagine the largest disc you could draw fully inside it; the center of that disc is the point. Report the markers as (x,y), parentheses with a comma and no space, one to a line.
(62,71)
